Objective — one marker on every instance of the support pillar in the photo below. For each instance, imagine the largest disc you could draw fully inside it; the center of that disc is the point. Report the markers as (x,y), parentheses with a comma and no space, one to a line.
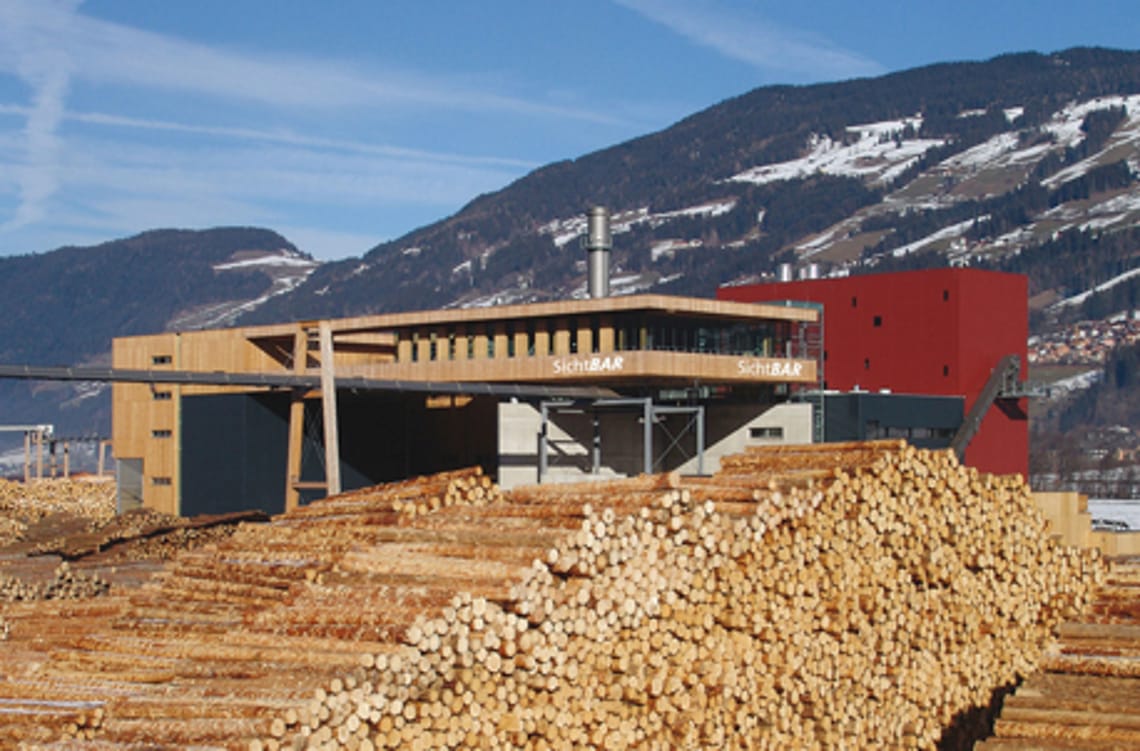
(647,436)
(296,424)
(328,406)
(27,457)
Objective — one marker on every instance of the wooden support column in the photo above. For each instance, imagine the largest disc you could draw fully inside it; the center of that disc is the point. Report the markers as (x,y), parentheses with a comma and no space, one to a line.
(606,335)
(103,456)
(296,423)
(328,406)
(39,455)
(66,460)
(27,457)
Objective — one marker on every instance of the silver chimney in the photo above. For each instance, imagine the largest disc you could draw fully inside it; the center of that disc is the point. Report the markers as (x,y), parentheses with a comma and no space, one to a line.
(785,272)
(597,243)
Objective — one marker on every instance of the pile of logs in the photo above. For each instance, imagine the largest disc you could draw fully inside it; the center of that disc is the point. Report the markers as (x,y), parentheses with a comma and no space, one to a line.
(1086,694)
(780,604)
(857,595)
(65,584)
(30,502)
(11,530)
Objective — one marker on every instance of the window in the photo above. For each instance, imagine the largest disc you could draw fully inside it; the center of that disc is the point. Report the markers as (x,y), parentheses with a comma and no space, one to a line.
(162,396)
(854,302)
(945,295)
(160,481)
(767,432)
(945,371)
(161,360)
(160,433)
(866,363)
(877,321)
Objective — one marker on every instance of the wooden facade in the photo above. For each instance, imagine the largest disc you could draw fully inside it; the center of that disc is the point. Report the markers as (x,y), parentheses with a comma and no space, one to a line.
(645,341)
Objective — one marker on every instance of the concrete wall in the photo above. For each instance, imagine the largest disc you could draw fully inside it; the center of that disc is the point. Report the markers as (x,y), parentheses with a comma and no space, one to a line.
(570,438)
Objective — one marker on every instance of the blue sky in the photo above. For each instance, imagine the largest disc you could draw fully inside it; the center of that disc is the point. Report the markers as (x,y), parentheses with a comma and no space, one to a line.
(344,123)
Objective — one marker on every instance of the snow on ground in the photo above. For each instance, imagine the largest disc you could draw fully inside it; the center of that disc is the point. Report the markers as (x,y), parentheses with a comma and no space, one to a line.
(954,230)
(281,258)
(1079,382)
(666,248)
(1127,511)
(1066,128)
(874,153)
(1079,299)
(1002,150)
(225,313)
(566,230)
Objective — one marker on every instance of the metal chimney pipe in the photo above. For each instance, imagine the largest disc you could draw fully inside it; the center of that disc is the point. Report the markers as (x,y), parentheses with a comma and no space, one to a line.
(785,272)
(598,243)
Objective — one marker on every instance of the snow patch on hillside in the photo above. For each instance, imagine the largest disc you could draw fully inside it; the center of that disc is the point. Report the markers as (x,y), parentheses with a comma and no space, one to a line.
(565,231)
(282,258)
(1079,299)
(954,230)
(1079,382)
(286,269)
(872,150)
(667,248)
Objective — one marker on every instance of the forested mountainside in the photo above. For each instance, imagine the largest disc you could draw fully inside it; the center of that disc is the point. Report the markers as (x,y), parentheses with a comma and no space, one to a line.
(1006,164)
(64,307)
(1026,163)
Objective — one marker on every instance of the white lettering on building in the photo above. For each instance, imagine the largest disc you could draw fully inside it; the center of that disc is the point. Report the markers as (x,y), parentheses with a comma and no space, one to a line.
(578,365)
(769,368)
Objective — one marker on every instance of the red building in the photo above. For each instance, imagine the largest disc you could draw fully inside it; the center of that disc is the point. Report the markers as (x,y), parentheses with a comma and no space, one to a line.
(939,331)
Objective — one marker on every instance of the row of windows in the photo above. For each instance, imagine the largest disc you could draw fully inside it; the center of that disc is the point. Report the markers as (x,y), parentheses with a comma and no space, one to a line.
(538,338)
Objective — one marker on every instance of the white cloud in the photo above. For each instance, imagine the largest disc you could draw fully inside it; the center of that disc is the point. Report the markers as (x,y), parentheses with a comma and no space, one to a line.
(745,36)
(110,53)
(46,72)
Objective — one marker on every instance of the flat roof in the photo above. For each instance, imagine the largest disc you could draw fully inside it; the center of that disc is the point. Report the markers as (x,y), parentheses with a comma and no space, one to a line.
(665,304)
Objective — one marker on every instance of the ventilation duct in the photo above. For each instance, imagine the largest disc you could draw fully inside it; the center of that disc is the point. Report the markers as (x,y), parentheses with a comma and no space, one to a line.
(598,243)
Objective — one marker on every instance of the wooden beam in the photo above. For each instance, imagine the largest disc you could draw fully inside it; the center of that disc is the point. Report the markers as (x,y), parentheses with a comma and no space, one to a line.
(328,406)
(296,423)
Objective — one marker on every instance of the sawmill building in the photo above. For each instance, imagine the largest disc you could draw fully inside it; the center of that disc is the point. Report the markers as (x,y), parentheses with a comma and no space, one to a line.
(605,386)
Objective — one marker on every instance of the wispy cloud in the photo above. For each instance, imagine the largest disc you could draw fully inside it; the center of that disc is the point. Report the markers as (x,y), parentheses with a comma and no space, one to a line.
(47,73)
(116,54)
(280,136)
(744,35)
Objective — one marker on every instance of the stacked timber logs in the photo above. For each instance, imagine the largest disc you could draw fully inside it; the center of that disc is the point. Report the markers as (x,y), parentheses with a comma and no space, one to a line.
(33,501)
(1085,695)
(65,584)
(835,596)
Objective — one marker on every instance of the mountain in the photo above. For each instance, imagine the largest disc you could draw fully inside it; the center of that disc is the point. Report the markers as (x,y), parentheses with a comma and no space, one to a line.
(65,306)
(1010,163)
(1026,162)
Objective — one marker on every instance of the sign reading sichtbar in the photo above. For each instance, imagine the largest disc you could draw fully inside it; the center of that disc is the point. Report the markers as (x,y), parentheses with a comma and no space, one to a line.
(575,365)
(769,368)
